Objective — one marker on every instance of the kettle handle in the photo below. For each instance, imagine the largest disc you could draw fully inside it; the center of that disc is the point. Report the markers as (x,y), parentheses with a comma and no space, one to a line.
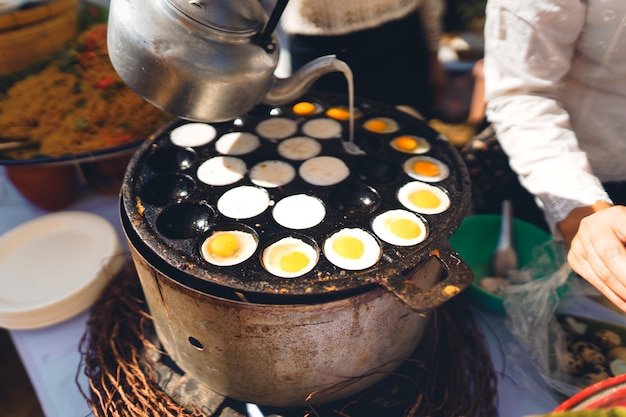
(420,289)
(272,23)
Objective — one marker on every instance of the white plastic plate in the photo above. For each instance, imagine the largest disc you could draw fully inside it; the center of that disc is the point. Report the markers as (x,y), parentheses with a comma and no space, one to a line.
(54,267)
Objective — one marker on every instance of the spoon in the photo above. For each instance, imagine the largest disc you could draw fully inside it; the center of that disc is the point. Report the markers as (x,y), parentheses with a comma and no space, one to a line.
(504,258)
(10,143)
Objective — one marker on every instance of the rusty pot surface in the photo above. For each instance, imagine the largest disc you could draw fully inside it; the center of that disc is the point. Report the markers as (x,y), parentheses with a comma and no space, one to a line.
(282,355)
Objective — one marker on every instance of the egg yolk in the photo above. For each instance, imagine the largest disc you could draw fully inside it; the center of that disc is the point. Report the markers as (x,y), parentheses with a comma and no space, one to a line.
(304,108)
(294,261)
(405,228)
(406,143)
(376,125)
(424,199)
(224,245)
(426,168)
(338,113)
(349,247)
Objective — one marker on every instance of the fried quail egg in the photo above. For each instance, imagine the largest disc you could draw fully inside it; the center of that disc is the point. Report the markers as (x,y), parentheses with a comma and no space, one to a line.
(399,227)
(352,248)
(277,128)
(243,202)
(228,247)
(306,108)
(299,211)
(322,128)
(289,257)
(381,125)
(342,113)
(324,170)
(299,148)
(410,144)
(272,174)
(193,134)
(237,143)
(425,168)
(423,198)
(221,170)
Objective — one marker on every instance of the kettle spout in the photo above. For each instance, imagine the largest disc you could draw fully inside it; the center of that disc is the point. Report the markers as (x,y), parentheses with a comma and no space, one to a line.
(284,90)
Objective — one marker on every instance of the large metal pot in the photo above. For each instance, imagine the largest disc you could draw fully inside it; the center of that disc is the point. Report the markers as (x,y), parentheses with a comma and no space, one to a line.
(285,342)
(282,354)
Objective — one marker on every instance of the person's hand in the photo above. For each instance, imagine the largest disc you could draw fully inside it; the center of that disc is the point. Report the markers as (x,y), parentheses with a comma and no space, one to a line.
(597,251)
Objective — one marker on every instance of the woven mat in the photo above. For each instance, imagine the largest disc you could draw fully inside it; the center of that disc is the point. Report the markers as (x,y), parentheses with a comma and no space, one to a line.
(449,375)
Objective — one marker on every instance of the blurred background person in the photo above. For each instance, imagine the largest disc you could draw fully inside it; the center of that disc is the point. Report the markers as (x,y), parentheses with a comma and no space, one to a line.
(391,46)
(555,83)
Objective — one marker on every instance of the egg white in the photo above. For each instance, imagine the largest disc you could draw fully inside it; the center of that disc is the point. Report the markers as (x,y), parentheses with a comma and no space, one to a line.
(324,170)
(221,170)
(381,226)
(407,189)
(193,134)
(273,254)
(237,143)
(247,246)
(299,148)
(371,253)
(277,128)
(243,202)
(444,172)
(322,128)
(272,174)
(299,211)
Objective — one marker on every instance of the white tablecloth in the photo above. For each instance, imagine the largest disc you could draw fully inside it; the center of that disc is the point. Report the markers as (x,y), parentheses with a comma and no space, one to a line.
(51,357)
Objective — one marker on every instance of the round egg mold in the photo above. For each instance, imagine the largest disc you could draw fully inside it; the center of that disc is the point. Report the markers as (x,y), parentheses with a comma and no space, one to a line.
(171,212)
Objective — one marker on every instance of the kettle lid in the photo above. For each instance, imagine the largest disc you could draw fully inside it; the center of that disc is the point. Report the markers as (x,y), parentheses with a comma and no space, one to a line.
(236,17)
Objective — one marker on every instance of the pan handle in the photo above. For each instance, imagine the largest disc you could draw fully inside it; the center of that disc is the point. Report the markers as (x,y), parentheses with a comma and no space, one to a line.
(420,289)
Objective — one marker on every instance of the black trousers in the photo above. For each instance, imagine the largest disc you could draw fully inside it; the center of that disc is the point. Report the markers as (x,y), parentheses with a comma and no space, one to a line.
(389,63)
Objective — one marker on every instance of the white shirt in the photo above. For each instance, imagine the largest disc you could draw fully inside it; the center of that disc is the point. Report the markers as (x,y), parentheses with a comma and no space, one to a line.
(555,79)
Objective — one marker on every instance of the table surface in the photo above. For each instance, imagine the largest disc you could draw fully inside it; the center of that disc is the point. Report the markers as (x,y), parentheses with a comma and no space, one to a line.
(51,357)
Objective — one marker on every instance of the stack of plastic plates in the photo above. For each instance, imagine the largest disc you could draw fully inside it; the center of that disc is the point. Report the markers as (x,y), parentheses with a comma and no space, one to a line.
(54,267)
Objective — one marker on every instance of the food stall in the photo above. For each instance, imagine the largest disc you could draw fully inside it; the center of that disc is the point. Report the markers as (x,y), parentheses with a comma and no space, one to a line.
(188,186)
(52,358)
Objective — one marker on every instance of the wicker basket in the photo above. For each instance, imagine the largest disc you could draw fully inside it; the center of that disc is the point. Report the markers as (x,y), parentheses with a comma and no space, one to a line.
(30,35)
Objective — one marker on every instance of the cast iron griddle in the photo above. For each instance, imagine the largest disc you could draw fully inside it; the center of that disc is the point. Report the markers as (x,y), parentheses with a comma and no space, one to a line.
(171,212)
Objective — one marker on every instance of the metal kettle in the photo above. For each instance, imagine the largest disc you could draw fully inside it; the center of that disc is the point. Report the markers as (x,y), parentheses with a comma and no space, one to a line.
(205,60)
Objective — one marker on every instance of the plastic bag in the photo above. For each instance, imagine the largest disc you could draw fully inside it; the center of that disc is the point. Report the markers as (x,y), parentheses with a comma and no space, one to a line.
(531,306)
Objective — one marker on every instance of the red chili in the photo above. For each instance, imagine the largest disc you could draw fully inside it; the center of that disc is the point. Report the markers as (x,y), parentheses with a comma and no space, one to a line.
(85,57)
(104,82)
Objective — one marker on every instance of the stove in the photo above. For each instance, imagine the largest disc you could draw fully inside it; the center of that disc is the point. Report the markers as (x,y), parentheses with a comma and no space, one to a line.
(448,374)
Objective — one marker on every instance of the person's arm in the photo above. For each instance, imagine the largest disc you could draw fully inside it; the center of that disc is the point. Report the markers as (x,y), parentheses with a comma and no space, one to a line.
(569,226)
(529,45)
(476,114)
